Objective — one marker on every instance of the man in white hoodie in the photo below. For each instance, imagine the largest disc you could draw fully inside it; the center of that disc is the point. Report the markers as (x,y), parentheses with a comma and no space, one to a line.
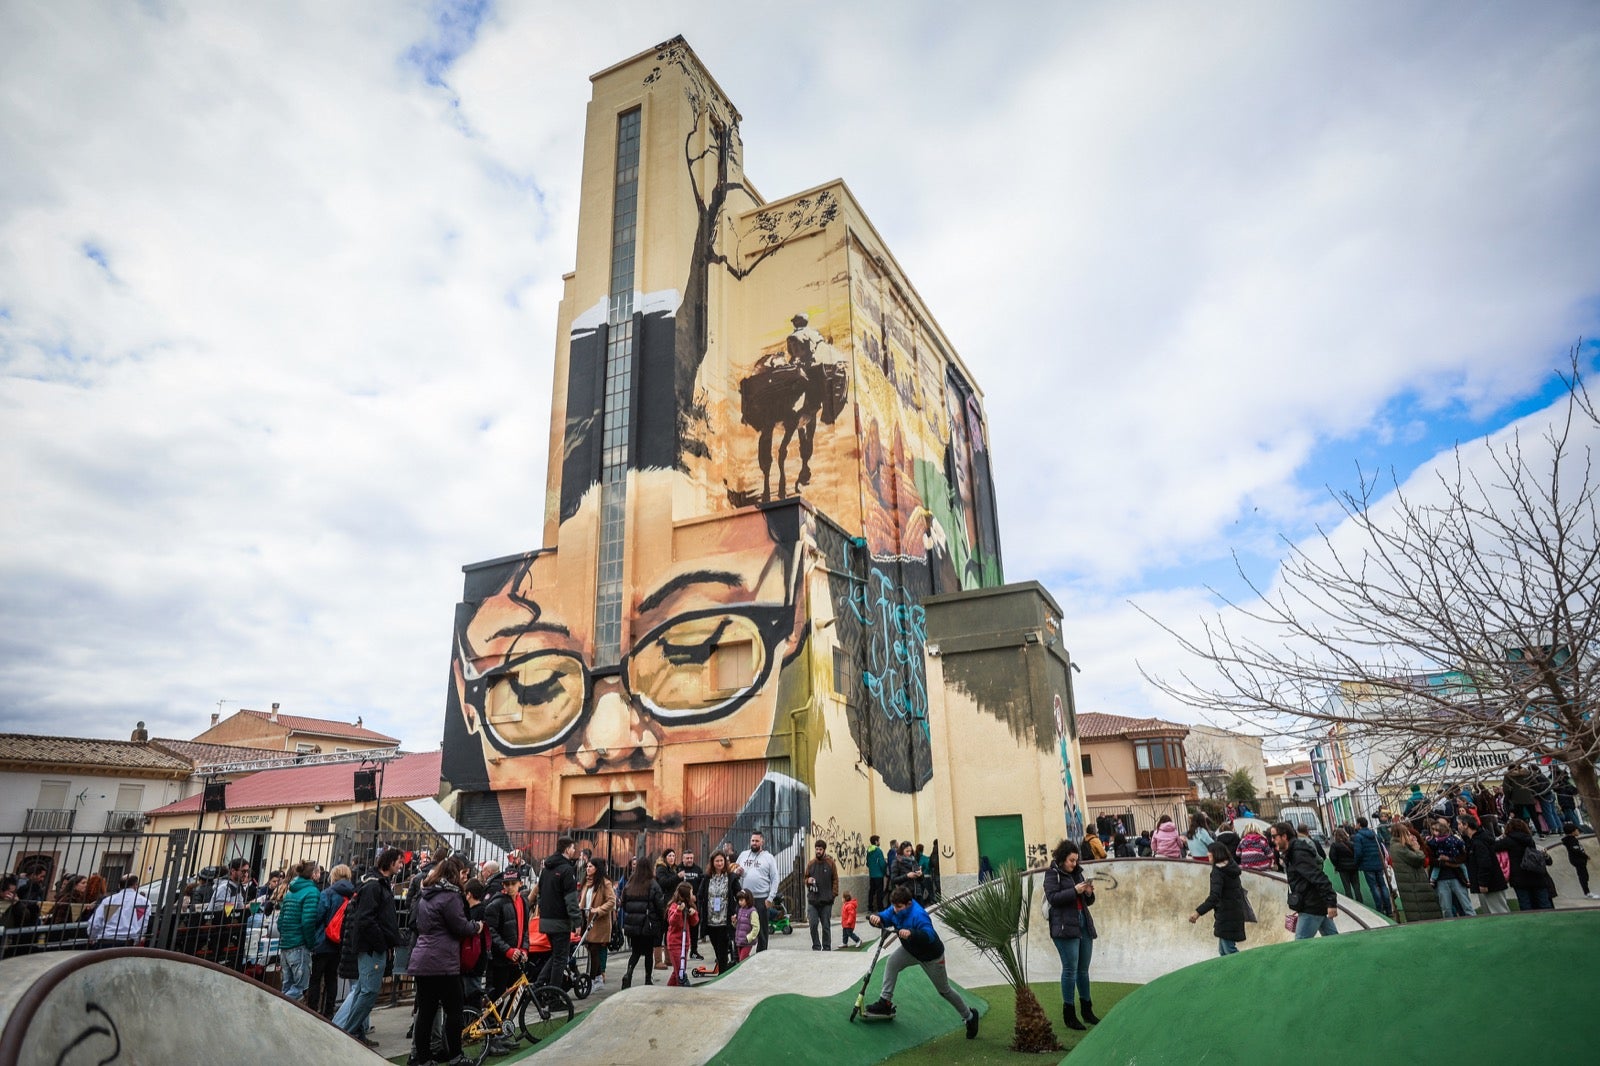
(119,920)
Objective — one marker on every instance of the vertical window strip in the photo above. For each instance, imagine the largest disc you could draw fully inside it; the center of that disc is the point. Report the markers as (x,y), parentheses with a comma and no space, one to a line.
(615,416)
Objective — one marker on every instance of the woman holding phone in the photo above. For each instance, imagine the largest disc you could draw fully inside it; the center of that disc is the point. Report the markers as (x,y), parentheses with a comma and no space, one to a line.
(1070,895)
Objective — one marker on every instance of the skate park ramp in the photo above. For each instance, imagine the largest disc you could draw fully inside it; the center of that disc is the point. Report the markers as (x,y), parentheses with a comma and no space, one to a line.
(140,1005)
(1381,997)
(1141,916)
(780,1006)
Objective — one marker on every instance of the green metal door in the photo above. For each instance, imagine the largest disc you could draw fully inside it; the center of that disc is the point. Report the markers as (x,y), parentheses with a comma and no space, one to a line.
(1000,841)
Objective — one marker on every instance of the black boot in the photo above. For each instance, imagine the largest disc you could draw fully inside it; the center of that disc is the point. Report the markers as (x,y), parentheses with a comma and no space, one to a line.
(1088,1012)
(1070,1016)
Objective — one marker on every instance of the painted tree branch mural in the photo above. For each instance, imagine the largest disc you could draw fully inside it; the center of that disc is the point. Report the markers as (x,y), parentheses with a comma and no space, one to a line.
(716,123)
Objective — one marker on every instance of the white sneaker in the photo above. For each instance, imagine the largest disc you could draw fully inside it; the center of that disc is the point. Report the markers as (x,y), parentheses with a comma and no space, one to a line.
(599,979)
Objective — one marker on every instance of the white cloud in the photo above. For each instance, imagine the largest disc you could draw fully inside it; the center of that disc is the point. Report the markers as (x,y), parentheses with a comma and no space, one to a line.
(277,315)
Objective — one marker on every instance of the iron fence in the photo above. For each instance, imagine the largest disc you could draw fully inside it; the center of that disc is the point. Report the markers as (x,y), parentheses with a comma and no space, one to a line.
(177,871)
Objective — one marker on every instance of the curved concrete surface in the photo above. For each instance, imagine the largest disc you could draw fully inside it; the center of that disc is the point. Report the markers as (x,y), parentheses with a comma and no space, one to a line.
(142,1005)
(1141,914)
(649,1026)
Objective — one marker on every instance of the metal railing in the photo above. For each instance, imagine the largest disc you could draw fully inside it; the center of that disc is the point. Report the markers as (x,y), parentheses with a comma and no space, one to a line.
(124,821)
(49,820)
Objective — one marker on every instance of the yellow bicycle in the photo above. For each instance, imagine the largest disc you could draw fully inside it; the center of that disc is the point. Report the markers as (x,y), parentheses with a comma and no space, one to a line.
(538,1012)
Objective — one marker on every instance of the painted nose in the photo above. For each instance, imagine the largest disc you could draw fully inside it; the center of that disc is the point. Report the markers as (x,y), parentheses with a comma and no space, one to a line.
(618,730)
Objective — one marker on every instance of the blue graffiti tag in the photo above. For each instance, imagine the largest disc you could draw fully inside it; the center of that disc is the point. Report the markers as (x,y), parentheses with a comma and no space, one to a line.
(896,637)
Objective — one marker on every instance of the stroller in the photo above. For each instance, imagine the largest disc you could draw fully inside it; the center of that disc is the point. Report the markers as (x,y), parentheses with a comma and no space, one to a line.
(778,920)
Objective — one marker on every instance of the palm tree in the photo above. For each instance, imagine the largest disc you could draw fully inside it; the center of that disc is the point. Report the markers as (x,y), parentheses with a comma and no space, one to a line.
(994,918)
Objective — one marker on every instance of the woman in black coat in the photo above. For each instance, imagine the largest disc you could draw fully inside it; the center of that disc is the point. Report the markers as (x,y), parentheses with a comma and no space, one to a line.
(1070,895)
(1226,900)
(1533,889)
(1343,856)
(643,908)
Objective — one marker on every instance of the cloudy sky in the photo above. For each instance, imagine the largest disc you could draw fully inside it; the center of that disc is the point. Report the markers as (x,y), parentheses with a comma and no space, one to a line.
(278,287)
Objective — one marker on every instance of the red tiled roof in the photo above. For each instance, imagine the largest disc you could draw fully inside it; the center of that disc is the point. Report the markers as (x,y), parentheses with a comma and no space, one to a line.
(200,752)
(87,752)
(1094,725)
(408,777)
(325,726)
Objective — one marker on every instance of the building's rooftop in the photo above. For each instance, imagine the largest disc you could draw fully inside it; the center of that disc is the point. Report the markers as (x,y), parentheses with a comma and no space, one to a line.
(407,777)
(322,726)
(1096,725)
(200,752)
(88,752)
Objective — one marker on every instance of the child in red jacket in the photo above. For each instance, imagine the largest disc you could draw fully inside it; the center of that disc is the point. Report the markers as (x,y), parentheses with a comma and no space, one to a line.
(681,917)
(847,921)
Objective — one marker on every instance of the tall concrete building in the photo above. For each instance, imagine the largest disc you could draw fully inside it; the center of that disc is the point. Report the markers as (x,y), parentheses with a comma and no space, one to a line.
(764,457)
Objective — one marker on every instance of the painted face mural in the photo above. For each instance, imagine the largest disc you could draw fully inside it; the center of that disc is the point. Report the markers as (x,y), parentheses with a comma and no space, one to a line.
(714,629)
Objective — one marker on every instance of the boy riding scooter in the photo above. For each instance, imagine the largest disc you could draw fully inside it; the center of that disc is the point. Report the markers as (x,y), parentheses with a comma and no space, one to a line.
(919,944)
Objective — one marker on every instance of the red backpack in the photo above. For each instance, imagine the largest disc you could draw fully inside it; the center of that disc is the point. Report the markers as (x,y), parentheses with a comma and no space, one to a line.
(335,930)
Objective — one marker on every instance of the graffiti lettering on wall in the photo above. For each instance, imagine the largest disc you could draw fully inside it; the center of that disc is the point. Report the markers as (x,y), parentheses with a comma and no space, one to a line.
(897,632)
(1038,855)
(847,846)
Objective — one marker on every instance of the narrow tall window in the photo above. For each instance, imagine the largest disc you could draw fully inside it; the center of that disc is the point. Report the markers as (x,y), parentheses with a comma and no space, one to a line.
(616,426)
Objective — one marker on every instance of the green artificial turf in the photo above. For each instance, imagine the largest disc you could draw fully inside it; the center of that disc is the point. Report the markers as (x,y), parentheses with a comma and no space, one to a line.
(805,1029)
(1294,989)
(993,1044)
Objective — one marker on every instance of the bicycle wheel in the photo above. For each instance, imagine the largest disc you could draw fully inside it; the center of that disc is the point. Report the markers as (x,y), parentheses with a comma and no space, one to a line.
(474,1036)
(544,1013)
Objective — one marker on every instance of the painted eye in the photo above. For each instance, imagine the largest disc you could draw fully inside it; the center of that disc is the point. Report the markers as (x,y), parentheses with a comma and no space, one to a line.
(535,701)
(697,664)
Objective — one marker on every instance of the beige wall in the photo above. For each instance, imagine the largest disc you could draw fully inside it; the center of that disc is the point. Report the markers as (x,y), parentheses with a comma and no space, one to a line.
(1237,750)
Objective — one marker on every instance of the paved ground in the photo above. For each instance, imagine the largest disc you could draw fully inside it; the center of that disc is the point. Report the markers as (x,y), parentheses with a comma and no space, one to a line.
(833,971)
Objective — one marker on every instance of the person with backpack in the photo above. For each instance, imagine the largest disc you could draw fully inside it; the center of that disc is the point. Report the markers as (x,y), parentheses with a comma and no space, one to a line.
(369,931)
(1370,861)
(1311,895)
(1226,900)
(323,992)
(441,924)
(1529,879)
(643,916)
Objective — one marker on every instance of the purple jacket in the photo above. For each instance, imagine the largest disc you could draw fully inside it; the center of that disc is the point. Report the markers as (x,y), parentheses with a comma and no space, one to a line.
(439,918)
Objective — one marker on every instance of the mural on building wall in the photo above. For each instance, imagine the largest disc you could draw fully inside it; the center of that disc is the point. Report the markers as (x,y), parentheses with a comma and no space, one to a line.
(720,658)
(790,389)
(845,397)
(1070,807)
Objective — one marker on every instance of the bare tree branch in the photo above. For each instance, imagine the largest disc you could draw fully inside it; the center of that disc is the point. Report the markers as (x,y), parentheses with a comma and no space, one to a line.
(1436,616)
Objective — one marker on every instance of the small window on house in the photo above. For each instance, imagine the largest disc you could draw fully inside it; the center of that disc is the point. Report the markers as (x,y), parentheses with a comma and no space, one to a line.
(304,749)
(317,826)
(1141,756)
(1088,766)
(733,666)
(341,749)
(1158,756)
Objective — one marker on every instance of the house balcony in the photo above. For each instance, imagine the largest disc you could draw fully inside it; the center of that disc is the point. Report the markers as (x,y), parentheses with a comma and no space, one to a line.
(49,820)
(124,821)
(1161,782)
